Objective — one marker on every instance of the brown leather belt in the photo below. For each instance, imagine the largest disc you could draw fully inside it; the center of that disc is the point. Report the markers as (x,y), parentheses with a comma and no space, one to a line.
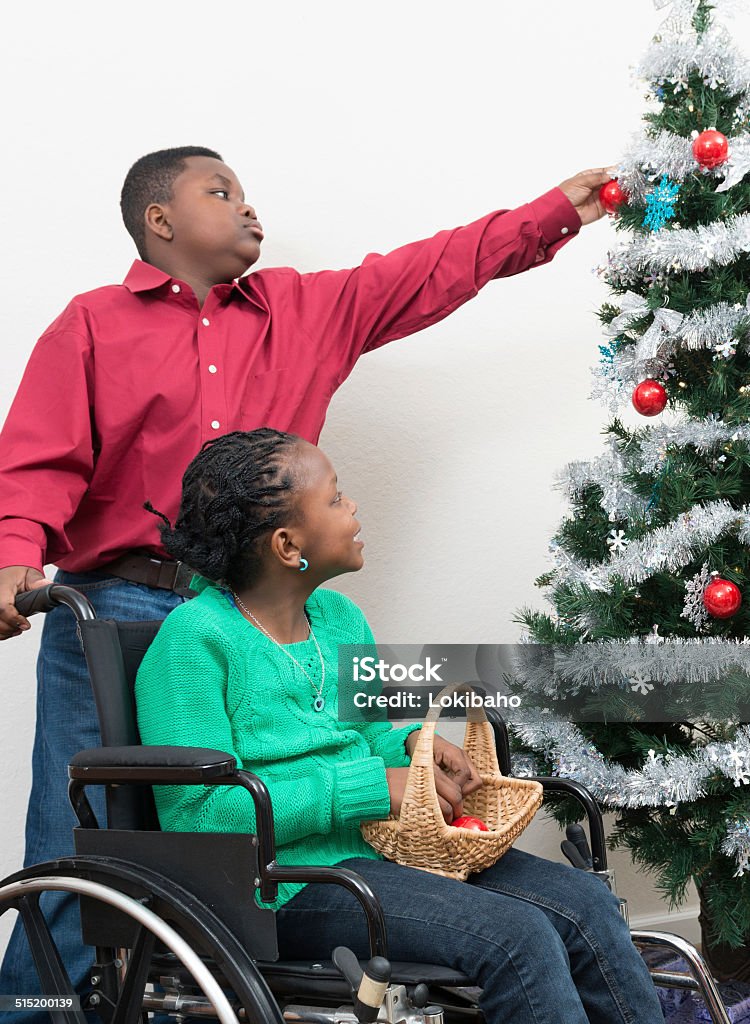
(153,572)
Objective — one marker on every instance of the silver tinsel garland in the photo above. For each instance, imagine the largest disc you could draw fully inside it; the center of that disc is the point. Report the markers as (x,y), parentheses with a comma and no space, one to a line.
(669,548)
(702,328)
(669,330)
(679,249)
(663,780)
(678,51)
(737,844)
(650,156)
(606,471)
(703,435)
(671,661)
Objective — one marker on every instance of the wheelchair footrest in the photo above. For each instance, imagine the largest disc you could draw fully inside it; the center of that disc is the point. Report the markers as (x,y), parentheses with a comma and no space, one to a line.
(679,1005)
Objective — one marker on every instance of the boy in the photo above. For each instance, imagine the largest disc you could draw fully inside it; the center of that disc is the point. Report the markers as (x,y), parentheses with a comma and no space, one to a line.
(184,350)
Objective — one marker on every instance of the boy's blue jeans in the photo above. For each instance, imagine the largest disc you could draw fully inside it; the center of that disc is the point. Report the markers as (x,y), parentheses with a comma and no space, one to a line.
(66,723)
(545,941)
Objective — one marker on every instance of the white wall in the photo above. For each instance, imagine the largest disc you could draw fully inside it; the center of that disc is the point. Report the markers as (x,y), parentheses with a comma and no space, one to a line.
(354,127)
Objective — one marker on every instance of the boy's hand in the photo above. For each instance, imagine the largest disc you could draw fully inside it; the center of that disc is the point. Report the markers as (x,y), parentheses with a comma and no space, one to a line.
(448,793)
(583,192)
(453,761)
(14,579)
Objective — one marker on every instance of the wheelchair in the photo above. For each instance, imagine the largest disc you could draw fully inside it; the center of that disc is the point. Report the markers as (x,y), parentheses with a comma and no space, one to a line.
(172,917)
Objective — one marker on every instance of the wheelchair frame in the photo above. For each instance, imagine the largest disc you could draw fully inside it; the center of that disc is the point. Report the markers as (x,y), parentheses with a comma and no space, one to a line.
(221,940)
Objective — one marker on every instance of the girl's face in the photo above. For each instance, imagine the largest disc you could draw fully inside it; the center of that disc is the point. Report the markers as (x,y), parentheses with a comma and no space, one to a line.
(327,533)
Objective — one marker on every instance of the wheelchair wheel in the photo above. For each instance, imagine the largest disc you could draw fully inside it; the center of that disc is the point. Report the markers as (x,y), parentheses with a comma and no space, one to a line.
(170,935)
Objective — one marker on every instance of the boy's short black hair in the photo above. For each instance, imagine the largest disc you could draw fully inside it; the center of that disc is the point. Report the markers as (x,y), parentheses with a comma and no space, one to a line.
(150,180)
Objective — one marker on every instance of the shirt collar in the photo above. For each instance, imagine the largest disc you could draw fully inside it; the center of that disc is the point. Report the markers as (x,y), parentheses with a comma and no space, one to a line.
(144,277)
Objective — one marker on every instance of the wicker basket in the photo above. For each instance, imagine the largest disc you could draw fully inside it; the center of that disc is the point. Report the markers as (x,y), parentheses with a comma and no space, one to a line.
(420,838)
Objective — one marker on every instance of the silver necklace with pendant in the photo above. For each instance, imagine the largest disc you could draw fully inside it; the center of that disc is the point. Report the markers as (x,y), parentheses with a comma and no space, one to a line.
(319,702)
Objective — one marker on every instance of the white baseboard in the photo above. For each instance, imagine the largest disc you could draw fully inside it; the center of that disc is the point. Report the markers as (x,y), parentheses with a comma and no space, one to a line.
(681,922)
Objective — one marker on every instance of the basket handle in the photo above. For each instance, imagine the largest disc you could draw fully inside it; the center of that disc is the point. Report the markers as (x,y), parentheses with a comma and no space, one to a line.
(477,715)
(421,771)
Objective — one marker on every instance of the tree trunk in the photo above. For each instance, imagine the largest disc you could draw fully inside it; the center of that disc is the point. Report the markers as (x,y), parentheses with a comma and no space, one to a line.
(724,962)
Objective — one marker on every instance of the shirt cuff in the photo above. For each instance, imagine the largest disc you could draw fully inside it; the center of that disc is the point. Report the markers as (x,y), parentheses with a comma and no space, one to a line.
(556,216)
(361,791)
(18,549)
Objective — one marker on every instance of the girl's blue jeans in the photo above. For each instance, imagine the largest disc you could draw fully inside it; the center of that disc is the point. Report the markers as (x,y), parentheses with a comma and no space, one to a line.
(545,941)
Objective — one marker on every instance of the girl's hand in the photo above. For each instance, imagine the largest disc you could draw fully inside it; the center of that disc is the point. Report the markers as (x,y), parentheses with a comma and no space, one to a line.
(448,793)
(453,760)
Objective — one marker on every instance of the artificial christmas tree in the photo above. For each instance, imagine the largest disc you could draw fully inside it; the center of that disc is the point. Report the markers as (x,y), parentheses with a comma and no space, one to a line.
(651,571)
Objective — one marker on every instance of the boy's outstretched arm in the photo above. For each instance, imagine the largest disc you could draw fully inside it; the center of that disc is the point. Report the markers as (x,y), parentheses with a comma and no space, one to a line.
(393,295)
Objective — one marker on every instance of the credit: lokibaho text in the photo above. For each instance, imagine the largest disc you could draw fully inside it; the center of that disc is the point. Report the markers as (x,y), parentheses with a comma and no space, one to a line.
(457,701)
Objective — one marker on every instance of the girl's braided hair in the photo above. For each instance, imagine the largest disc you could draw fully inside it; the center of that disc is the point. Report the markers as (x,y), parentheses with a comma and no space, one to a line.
(237,489)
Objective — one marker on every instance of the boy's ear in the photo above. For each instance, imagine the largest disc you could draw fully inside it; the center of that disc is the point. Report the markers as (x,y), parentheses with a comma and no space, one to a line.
(156,220)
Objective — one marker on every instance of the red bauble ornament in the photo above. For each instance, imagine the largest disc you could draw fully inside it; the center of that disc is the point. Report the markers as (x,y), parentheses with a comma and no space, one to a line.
(711,148)
(612,196)
(475,824)
(722,598)
(649,398)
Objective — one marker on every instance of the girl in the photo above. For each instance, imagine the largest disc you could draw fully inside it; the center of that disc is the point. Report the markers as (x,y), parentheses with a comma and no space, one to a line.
(249,667)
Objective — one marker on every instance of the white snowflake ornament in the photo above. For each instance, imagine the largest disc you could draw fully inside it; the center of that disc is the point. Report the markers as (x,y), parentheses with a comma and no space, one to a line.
(640,684)
(695,610)
(617,541)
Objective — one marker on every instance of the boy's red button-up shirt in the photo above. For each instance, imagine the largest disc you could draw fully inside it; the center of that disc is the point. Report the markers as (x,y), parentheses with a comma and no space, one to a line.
(128,382)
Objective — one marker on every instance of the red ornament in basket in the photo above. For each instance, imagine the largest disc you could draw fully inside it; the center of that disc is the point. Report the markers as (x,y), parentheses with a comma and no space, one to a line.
(466,821)
(420,837)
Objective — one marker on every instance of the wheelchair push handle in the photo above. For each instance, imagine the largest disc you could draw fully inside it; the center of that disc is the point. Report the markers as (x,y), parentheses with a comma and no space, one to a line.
(44,599)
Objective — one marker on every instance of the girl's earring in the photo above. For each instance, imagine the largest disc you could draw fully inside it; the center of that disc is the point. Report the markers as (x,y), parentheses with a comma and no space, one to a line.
(303,564)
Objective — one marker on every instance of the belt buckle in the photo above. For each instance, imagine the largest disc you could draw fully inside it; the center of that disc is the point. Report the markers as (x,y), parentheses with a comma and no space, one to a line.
(162,573)
(182,578)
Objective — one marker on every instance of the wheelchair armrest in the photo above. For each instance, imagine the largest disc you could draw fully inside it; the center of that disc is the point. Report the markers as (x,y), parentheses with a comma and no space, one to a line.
(553,784)
(181,766)
(570,787)
(347,879)
(151,765)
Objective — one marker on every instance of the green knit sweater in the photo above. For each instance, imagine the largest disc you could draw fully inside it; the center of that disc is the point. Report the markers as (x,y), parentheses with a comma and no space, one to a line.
(210,679)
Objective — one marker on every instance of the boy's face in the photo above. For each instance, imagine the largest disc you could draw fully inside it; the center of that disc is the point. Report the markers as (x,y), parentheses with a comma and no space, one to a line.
(207,222)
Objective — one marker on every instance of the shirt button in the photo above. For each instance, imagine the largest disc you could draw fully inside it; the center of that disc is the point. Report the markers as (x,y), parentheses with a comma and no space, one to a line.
(215,424)
(176,289)
(212,368)
(563,231)
(205,321)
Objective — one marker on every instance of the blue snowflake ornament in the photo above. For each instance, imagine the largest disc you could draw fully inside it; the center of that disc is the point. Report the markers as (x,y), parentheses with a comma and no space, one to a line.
(608,352)
(660,204)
